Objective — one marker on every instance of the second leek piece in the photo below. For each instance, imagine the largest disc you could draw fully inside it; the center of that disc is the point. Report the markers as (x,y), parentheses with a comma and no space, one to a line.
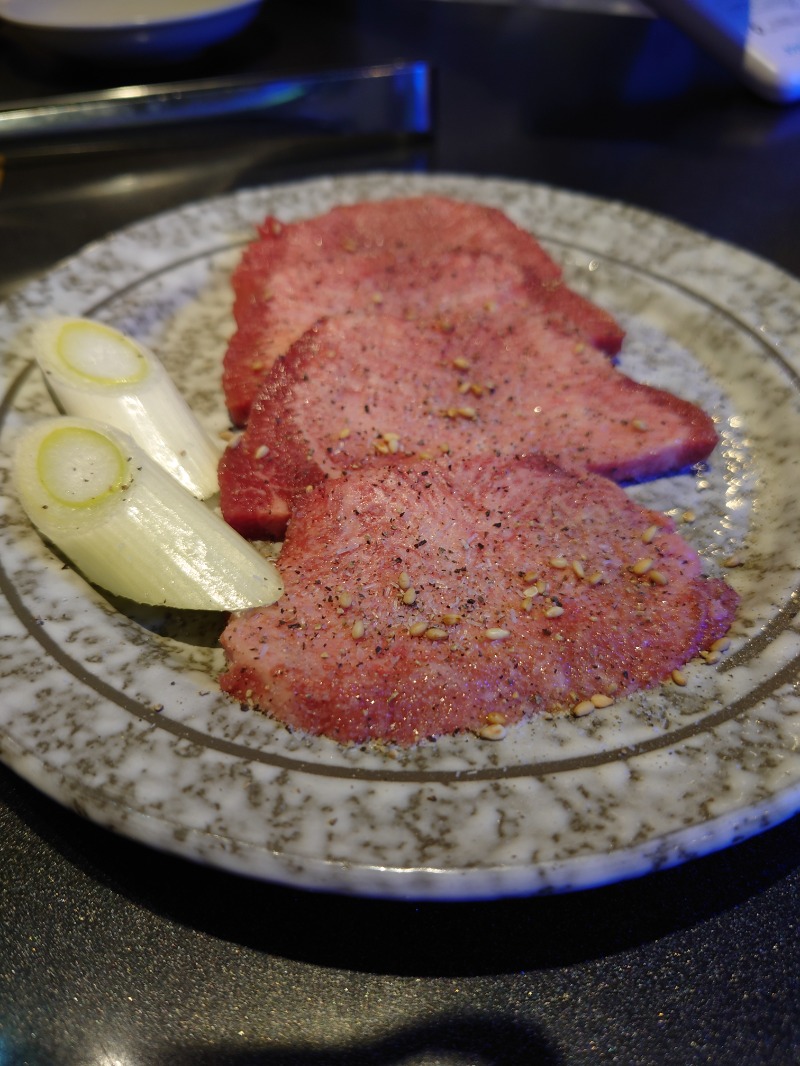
(128,527)
(94,371)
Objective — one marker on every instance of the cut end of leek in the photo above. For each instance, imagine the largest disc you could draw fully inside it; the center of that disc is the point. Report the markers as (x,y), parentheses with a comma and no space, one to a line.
(129,527)
(96,372)
(97,355)
(79,467)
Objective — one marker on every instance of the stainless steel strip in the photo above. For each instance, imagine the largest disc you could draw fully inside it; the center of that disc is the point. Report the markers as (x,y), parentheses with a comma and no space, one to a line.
(394,97)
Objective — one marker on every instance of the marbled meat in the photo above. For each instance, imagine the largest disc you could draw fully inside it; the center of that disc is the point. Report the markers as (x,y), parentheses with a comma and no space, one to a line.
(425,599)
(425,257)
(502,382)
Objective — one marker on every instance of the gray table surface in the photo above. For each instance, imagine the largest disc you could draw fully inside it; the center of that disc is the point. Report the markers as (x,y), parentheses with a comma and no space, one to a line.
(112,954)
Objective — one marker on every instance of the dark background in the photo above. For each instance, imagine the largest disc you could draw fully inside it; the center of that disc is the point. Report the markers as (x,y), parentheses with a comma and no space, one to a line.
(112,954)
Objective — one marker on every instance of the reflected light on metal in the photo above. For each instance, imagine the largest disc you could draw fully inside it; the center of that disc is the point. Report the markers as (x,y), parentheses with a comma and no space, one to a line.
(395,97)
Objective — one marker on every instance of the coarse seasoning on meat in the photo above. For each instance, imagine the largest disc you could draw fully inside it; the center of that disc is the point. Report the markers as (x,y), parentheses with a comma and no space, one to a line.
(424,599)
(425,257)
(505,381)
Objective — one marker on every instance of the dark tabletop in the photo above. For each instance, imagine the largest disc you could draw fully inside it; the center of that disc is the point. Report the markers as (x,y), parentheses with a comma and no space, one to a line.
(115,955)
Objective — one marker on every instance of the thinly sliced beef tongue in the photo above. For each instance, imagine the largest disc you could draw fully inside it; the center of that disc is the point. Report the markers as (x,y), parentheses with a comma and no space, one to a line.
(433,291)
(424,599)
(422,256)
(505,382)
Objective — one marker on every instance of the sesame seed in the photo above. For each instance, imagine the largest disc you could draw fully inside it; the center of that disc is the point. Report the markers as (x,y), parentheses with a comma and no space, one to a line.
(357,632)
(417,629)
(469,413)
(436,633)
(658,577)
(678,677)
(261,451)
(495,633)
(460,363)
(495,718)
(409,597)
(404,581)
(688,516)
(578,569)
(639,424)
(641,566)
(531,590)
(721,645)
(595,578)
(559,562)
(344,433)
(451,619)
(649,534)
(555,611)
(583,708)
(345,599)
(600,699)
(492,731)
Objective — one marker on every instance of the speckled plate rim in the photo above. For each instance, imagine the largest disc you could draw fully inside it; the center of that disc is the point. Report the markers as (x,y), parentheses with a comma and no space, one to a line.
(225,803)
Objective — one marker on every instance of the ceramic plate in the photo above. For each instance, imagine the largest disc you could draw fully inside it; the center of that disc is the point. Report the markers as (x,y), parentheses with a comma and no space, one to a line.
(118,714)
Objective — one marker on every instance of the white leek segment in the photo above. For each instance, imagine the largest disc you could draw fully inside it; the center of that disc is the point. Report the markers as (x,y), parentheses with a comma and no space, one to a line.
(94,371)
(129,527)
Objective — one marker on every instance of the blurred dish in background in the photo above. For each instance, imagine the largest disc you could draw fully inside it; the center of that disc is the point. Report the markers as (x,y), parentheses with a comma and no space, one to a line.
(140,30)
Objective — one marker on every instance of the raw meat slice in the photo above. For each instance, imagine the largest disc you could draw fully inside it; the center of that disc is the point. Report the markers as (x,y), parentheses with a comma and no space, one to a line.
(499,383)
(422,256)
(427,290)
(423,599)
